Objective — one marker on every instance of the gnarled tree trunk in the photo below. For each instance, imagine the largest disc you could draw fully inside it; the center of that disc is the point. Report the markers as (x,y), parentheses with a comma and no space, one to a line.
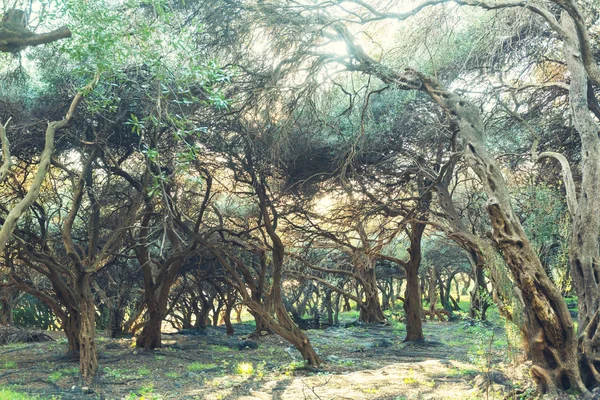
(88,357)
(370,309)
(584,255)
(549,327)
(412,294)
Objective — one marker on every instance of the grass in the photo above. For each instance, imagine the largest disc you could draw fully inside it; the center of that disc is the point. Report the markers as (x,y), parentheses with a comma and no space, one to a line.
(198,367)
(463,372)
(63,373)
(8,394)
(115,373)
(220,349)
(244,368)
(145,393)
(8,365)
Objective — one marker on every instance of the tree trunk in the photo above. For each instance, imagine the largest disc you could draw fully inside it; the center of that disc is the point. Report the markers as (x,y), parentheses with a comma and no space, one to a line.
(151,335)
(433,298)
(479,295)
(370,311)
(72,327)
(227,313)
(261,324)
(6,315)
(412,295)
(473,246)
(549,326)
(238,313)
(336,314)
(327,304)
(347,306)
(88,357)
(11,220)
(115,321)
(584,255)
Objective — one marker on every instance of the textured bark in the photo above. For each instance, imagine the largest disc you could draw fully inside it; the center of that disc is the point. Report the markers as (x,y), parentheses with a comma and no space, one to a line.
(6,315)
(72,327)
(412,295)
(238,313)
(370,309)
(261,324)
(284,327)
(227,313)
(550,334)
(6,159)
(21,40)
(584,253)
(583,43)
(9,295)
(158,278)
(86,322)
(328,305)
(151,336)
(115,321)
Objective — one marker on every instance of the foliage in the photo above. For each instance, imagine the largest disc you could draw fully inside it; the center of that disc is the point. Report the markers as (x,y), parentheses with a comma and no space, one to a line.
(32,312)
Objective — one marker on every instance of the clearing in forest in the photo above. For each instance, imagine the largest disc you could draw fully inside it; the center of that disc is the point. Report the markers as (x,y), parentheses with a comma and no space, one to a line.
(362,362)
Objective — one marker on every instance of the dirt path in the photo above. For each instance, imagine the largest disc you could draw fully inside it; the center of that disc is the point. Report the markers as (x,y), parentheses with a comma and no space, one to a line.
(361,363)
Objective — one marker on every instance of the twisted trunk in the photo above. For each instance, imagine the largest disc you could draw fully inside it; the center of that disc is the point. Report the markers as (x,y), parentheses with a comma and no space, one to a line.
(88,357)
(370,310)
(549,327)
(412,295)
(584,255)
(72,327)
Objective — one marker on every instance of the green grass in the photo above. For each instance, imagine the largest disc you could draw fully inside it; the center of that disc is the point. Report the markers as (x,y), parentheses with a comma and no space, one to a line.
(244,368)
(117,374)
(143,371)
(352,314)
(197,367)
(8,365)
(221,349)
(63,373)
(7,394)
(145,393)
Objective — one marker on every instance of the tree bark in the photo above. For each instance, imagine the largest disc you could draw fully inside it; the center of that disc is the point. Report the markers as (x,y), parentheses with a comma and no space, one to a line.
(72,328)
(151,336)
(88,357)
(227,313)
(17,43)
(433,298)
(370,310)
(479,295)
(550,334)
(412,295)
(584,255)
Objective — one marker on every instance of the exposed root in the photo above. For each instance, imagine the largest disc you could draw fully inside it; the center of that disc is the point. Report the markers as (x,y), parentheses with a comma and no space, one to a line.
(543,380)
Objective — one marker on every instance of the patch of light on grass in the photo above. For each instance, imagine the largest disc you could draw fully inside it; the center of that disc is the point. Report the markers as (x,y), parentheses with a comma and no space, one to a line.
(245,369)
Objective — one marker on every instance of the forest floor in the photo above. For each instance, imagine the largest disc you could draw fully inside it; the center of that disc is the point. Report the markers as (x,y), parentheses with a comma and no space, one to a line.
(361,362)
